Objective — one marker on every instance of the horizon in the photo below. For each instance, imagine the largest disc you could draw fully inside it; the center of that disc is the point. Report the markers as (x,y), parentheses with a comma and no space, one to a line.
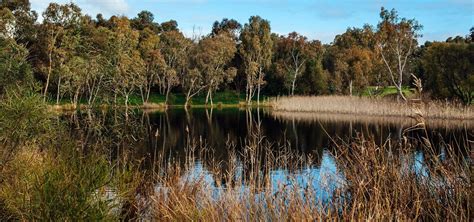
(321,20)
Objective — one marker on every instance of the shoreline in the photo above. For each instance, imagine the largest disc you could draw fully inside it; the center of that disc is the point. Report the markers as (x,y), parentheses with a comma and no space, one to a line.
(153,106)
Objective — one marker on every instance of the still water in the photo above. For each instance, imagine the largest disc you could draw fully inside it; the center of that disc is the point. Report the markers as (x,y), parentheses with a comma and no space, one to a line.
(159,138)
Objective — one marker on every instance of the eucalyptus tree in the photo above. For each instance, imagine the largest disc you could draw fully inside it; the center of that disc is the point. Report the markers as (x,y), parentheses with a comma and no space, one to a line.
(227,26)
(294,51)
(155,65)
(397,39)
(74,74)
(449,70)
(256,51)
(23,27)
(168,26)
(175,48)
(58,20)
(213,55)
(125,63)
(145,20)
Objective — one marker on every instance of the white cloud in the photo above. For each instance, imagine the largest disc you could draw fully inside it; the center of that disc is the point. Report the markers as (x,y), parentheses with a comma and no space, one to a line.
(90,7)
(111,7)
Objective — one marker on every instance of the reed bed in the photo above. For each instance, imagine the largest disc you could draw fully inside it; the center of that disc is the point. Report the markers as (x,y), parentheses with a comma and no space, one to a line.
(314,117)
(380,182)
(372,107)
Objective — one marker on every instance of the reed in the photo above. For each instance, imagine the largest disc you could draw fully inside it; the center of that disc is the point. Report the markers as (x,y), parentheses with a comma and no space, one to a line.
(372,107)
(380,182)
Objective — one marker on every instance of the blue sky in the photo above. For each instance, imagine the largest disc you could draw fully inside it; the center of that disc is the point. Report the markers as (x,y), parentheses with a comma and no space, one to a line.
(317,19)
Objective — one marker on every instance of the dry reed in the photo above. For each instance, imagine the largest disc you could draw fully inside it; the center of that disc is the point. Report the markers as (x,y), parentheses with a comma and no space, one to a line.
(381,182)
(372,107)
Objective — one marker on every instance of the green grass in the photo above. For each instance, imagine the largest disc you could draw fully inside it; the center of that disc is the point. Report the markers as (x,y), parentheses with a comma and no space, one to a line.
(224,98)
(386,91)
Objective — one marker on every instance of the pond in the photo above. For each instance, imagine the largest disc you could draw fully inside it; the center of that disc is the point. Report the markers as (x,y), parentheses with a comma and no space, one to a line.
(163,137)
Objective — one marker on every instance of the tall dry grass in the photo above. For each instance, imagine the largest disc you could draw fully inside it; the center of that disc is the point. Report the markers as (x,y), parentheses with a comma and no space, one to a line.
(314,117)
(381,182)
(372,107)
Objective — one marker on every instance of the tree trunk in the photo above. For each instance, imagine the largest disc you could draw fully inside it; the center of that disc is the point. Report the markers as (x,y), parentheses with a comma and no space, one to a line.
(59,90)
(47,84)
(142,94)
(259,83)
(148,91)
(76,97)
(167,95)
(208,94)
(126,100)
(400,94)
(350,87)
(187,99)
(294,83)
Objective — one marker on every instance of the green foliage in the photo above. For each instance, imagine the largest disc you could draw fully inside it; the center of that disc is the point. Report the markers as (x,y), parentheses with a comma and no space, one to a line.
(62,183)
(256,52)
(47,175)
(449,70)
(107,59)
(314,80)
(14,68)
(396,42)
(23,118)
(353,61)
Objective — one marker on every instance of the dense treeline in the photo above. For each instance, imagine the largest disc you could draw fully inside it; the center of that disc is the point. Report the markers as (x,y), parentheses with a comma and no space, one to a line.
(72,55)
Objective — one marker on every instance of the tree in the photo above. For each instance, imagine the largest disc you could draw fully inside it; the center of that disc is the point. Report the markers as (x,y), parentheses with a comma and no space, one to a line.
(14,68)
(397,39)
(125,64)
(57,19)
(155,64)
(170,25)
(175,49)
(23,28)
(314,79)
(353,62)
(226,26)
(449,70)
(295,52)
(145,19)
(212,57)
(256,51)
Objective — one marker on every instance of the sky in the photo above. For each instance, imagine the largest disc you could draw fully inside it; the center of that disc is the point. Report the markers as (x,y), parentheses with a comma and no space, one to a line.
(316,19)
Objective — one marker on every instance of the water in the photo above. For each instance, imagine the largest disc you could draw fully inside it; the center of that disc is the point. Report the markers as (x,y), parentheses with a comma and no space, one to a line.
(159,138)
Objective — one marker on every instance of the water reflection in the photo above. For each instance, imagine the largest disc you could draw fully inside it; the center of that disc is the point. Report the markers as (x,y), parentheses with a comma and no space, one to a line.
(160,138)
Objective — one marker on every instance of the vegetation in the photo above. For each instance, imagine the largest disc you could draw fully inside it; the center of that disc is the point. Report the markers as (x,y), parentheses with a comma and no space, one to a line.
(379,185)
(73,168)
(74,56)
(372,106)
(51,173)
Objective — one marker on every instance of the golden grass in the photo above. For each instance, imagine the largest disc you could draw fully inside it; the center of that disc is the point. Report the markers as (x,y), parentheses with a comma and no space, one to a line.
(314,117)
(381,184)
(159,106)
(372,107)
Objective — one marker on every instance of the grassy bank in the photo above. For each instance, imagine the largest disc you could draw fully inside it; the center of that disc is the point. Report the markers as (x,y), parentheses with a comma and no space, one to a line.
(386,91)
(372,107)
(226,99)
